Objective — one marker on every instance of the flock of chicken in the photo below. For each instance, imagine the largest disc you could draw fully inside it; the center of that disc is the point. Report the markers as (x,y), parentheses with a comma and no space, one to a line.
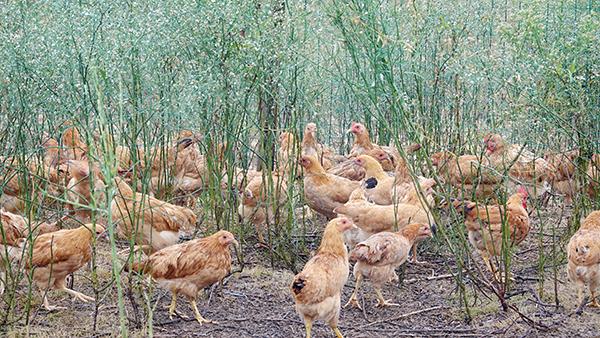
(375,205)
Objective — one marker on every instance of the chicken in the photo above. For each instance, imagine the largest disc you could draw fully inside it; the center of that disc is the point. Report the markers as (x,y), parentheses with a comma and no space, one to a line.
(583,252)
(287,156)
(362,141)
(467,173)
(484,225)
(12,237)
(240,178)
(57,254)
(521,164)
(23,183)
(363,146)
(373,218)
(310,147)
(593,174)
(15,176)
(378,257)
(151,223)
(348,169)
(382,193)
(189,267)
(191,169)
(351,170)
(74,147)
(592,221)
(317,288)
(52,153)
(561,173)
(262,202)
(79,192)
(323,191)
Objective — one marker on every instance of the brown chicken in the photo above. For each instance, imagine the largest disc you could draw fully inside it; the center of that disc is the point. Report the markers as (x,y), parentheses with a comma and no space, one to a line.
(57,254)
(24,181)
(351,170)
(378,257)
(239,178)
(151,223)
(52,153)
(372,218)
(323,191)
(363,146)
(189,267)
(583,252)
(317,288)
(484,225)
(382,193)
(521,164)
(79,189)
(288,154)
(261,202)
(561,173)
(467,173)
(310,147)
(12,238)
(74,148)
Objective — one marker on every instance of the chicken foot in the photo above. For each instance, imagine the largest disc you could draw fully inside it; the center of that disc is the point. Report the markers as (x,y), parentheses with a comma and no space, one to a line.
(414,259)
(78,295)
(382,302)
(173,307)
(353,301)
(197,314)
(338,334)
(49,307)
(594,302)
(147,249)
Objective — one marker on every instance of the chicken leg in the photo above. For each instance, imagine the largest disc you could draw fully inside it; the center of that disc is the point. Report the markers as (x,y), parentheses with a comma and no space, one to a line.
(338,334)
(308,326)
(414,258)
(353,301)
(382,302)
(197,314)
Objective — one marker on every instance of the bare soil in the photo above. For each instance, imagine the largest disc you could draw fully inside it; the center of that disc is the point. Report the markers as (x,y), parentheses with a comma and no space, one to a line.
(256,302)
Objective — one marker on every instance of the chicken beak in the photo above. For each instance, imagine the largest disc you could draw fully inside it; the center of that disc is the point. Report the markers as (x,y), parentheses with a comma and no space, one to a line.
(236,243)
(349,131)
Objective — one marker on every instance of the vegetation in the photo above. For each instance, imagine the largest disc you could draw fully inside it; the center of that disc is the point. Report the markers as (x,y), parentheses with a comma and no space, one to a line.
(442,74)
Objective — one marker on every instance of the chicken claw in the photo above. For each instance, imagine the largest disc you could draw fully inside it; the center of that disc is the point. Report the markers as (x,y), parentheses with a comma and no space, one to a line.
(51,308)
(198,316)
(382,302)
(353,301)
(594,302)
(173,308)
(80,296)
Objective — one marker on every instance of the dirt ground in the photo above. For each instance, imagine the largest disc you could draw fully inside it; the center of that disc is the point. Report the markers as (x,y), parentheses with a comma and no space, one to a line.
(257,303)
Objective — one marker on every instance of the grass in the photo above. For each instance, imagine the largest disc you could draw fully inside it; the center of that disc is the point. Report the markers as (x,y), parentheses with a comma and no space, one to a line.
(439,74)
